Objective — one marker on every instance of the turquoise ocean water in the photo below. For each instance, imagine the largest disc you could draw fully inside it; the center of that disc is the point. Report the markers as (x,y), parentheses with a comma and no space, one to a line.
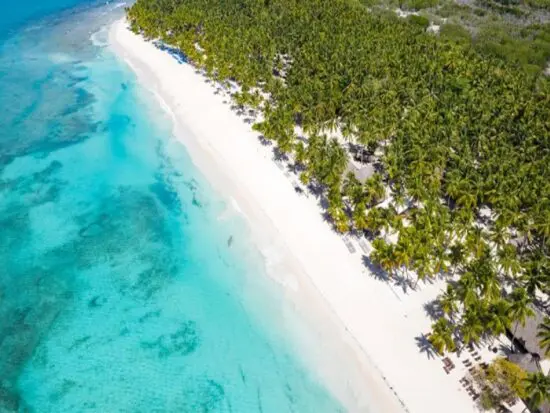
(119,290)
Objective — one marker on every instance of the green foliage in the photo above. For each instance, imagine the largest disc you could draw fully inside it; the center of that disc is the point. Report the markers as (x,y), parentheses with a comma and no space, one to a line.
(453,9)
(502,381)
(544,335)
(420,21)
(528,47)
(480,12)
(538,4)
(455,32)
(502,7)
(418,4)
(442,336)
(537,387)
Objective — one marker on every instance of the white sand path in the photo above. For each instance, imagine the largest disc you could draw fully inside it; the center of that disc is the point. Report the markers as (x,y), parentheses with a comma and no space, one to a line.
(377,324)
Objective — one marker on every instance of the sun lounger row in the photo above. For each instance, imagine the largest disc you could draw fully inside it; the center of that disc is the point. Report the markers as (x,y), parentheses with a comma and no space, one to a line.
(448,365)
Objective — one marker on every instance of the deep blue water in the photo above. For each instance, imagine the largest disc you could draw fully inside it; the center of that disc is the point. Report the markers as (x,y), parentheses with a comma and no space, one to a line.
(119,291)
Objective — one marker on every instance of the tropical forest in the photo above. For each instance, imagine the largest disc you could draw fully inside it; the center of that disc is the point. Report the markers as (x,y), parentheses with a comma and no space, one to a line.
(447,103)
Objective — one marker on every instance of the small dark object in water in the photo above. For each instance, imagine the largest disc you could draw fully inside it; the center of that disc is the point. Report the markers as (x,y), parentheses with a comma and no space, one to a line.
(230,241)
(95,302)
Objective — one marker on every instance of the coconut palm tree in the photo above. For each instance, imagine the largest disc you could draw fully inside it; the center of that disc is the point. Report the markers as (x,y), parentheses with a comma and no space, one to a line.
(449,301)
(498,317)
(471,328)
(457,254)
(359,216)
(467,290)
(374,188)
(537,386)
(441,336)
(383,255)
(544,335)
(507,260)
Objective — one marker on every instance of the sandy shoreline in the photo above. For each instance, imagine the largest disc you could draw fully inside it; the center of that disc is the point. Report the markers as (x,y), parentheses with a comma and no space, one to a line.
(364,318)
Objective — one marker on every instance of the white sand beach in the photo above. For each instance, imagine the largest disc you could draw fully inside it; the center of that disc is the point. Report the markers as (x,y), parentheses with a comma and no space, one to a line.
(373,323)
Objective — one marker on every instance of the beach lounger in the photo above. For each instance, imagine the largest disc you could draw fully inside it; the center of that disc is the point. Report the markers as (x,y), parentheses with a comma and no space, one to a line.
(364,246)
(348,243)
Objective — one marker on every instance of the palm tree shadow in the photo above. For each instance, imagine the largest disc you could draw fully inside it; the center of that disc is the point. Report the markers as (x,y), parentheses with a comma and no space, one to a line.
(433,310)
(403,282)
(264,141)
(279,155)
(424,345)
(375,270)
(175,53)
(315,189)
(502,349)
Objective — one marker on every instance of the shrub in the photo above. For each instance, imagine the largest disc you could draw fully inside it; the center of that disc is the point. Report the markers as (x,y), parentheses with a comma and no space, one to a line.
(418,4)
(455,32)
(419,21)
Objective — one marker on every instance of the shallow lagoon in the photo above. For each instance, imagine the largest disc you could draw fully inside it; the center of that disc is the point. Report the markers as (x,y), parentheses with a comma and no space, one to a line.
(119,288)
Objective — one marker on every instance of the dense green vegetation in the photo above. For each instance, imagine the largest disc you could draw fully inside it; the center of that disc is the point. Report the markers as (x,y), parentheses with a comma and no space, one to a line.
(502,381)
(460,140)
(511,30)
(527,47)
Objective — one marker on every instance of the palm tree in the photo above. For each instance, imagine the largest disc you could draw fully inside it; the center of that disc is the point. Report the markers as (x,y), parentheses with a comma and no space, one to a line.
(441,336)
(499,235)
(542,224)
(402,252)
(534,278)
(374,188)
(359,216)
(507,259)
(537,386)
(384,256)
(475,242)
(544,335)
(498,317)
(449,301)
(300,153)
(471,328)
(375,219)
(352,188)
(467,289)
(456,254)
